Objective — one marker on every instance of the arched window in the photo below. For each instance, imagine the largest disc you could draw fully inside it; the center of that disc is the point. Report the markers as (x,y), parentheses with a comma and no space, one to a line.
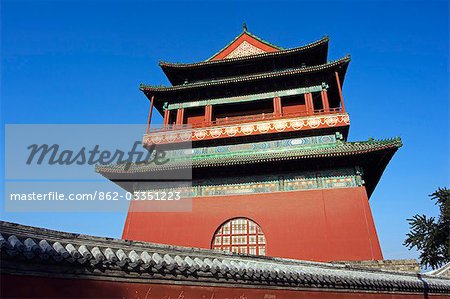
(240,235)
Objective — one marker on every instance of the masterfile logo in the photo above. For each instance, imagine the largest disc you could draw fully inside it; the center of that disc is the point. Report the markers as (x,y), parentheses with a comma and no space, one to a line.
(93,167)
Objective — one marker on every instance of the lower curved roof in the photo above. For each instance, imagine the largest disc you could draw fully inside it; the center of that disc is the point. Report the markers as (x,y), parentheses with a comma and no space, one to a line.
(372,155)
(337,149)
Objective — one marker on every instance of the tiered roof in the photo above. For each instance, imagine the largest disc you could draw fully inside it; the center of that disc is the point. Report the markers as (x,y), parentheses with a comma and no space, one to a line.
(41,252)
(372,155)
(247,61)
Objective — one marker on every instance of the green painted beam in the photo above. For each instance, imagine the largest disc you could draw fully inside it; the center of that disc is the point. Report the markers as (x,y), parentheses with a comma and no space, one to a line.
(248,98)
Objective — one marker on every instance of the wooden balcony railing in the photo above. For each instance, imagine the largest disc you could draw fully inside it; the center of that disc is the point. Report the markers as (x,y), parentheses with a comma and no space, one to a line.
(246,119)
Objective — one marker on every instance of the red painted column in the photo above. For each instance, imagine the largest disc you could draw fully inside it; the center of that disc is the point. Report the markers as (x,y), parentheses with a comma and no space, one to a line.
(208,113)
(277,106)
(338,82)
(180,116)
(325,103)
(280,108)
(150,114)
(166,117)
(309,104)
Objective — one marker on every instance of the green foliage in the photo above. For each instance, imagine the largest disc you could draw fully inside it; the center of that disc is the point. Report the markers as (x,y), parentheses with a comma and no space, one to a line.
(429,236)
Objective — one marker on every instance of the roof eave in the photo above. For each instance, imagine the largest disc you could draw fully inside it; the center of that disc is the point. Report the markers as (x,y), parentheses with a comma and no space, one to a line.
(340,62)
(312,45)
(372,173)
(378,147)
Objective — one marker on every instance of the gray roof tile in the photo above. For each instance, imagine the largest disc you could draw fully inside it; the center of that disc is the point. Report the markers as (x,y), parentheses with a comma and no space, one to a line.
(122,258)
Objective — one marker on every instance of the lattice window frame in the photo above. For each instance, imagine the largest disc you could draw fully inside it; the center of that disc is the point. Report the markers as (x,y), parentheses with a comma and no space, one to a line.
(240,235)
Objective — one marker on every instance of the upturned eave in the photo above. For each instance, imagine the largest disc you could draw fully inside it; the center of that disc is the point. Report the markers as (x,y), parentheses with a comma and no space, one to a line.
(248,78)
(283,52)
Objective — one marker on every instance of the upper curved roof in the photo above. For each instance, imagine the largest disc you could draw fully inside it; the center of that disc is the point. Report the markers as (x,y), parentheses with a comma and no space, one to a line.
(246,78)
(282,52)
(247,54)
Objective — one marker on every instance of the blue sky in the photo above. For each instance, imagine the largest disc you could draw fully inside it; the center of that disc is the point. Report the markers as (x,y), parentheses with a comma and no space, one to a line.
(82,62)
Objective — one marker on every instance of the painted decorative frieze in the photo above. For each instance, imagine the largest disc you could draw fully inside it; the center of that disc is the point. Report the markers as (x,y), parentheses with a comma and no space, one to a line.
(253,147)
(285,182)
(254,128)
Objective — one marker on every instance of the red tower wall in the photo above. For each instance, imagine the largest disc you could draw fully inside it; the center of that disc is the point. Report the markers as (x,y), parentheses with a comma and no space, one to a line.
(319,225)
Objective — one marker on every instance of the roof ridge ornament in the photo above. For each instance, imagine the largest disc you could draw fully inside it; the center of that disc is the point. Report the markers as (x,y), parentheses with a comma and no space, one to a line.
(244,27)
